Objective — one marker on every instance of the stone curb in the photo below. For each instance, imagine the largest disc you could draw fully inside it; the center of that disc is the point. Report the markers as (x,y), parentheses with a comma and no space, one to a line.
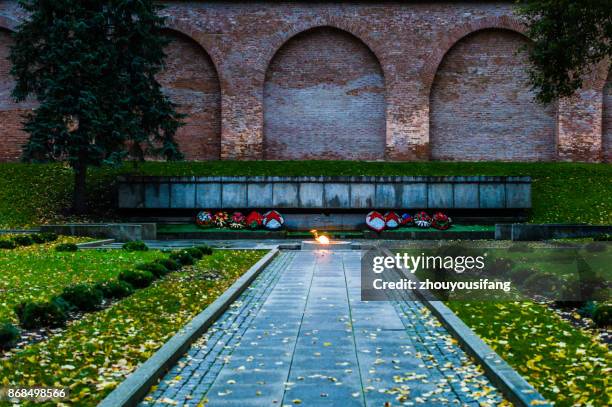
(135,387)
(95,244)
(514,387)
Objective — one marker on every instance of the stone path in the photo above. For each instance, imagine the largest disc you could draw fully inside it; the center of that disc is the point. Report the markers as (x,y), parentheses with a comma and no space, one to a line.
(301,336)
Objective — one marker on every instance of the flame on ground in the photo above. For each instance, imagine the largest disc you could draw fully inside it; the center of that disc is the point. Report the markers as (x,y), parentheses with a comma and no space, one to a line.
(320,239)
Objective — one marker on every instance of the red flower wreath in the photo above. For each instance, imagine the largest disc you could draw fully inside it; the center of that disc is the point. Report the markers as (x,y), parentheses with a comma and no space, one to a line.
(441,221)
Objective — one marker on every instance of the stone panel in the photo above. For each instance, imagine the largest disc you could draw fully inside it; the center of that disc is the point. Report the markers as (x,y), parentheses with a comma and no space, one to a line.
(208,195)
(260,195)
(311,195)
(183,195)
(337,195)
(518,195)
(440,196)
(285,195)
(131,195)
(234,195)
(492,195)
(157,195)
(363,195)
(414,196)
(386,195)
(466,195)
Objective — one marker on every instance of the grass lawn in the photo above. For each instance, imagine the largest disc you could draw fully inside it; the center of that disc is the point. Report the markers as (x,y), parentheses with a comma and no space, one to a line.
(38,272)
(562,192)
(565,364)
(94,354)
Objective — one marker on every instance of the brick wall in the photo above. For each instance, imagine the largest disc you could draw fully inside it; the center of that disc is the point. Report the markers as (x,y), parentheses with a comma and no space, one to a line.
(11,135)
(607,120)
(324,99)
(190,80)
(267,72)
(482,107)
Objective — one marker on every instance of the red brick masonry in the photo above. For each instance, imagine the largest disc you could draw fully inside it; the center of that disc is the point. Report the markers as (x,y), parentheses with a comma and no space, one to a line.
(360,81)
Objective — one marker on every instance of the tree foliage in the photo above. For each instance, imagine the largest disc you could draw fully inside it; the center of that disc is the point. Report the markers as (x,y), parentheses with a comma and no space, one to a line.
(569,38)
(91,65)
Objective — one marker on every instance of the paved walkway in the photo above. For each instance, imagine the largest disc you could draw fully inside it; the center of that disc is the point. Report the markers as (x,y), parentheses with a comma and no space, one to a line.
(301,336)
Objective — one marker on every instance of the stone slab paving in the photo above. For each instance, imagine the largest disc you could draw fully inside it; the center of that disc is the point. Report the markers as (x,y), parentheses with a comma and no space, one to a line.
(300,335)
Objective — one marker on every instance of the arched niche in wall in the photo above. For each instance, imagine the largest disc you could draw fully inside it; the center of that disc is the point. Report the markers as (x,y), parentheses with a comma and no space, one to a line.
(481,105)
(324,98)
(12,136)
(191,81)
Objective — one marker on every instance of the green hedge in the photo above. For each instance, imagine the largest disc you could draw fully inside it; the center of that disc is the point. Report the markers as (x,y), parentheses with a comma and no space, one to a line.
(27,240)
(88,297)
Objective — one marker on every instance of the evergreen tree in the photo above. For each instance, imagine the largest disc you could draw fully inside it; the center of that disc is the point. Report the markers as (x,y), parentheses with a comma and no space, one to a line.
(569,38)
(92,64)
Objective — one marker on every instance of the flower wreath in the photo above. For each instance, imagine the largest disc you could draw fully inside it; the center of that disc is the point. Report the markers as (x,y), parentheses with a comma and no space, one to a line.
(238,221)
(375,221)
(273,220)
(441,221)
(254,220)
(221,219)
(422,220)
(392,220)
(204,219)
(406,219)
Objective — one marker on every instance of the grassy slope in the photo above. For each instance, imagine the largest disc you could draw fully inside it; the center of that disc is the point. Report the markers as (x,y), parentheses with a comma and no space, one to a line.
(98,351)
(38,272)
(562,192)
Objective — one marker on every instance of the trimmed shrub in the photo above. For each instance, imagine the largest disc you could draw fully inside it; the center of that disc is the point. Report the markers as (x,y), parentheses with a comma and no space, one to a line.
(205,249)
(135,246)
(37,238)
(170,264)
(137,278)
(84,297)
(33,315)
(23,240)
(183,257)
(66,247)
(115,289)
(9,335)
(195,253)
(49,236)
(7,244)
(158,270)
(602,316)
